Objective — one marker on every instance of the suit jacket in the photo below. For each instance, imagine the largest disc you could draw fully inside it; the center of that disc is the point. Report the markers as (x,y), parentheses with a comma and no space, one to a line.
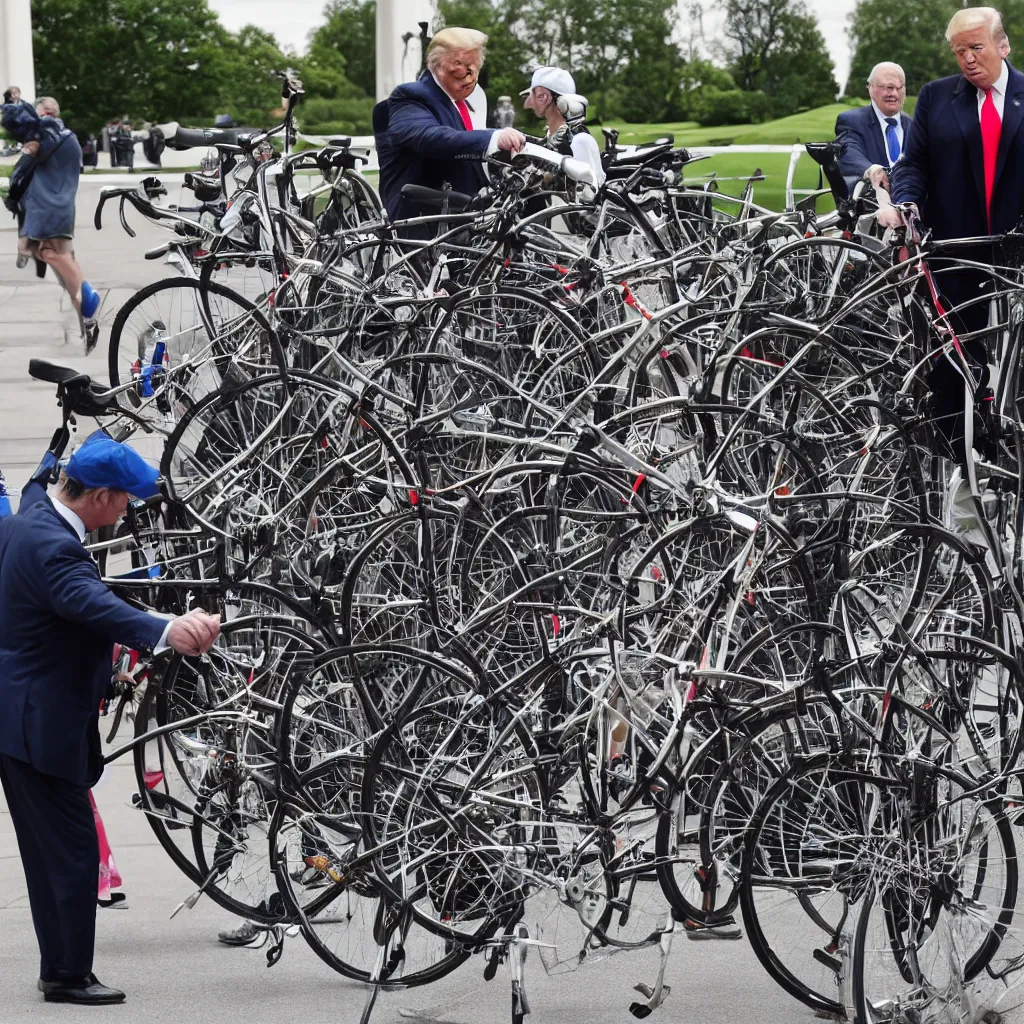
(942,169)
(58,625)
(421,140)
(865,145)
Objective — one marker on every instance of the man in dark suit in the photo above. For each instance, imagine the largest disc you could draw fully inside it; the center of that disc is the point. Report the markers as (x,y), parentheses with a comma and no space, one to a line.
(58,624)
(874,135)
(433,132)
(963,169)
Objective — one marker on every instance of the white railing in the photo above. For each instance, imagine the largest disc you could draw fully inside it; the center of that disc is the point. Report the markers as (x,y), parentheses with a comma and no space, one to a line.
(365,144)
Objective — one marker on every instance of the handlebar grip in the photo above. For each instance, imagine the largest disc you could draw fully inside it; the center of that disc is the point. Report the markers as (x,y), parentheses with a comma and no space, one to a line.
(97,218)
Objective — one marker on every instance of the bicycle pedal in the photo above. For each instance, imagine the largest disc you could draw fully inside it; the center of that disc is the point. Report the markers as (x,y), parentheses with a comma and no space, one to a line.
(831,962)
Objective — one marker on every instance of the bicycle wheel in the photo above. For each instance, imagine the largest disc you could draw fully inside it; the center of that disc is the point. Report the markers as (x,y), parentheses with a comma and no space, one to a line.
(176,338)
(939,910)
(206,786)
(804,842)
(330,889)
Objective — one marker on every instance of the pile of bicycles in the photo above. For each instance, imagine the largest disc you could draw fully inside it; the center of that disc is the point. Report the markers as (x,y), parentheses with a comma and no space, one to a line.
(594,573)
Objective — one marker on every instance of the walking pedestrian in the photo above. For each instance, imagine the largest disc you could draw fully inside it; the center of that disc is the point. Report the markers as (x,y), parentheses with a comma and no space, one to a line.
(125,143)
(49,172)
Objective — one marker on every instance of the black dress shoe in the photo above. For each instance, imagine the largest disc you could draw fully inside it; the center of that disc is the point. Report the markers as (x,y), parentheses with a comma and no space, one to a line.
(87,991)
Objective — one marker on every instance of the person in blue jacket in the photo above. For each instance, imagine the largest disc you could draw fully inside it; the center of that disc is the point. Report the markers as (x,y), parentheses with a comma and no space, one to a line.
(433,132)
(46,210)
(58,625)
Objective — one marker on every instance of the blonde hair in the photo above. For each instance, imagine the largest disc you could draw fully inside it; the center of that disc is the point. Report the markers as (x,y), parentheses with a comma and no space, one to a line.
(974,17)
(449,39)
(49,105)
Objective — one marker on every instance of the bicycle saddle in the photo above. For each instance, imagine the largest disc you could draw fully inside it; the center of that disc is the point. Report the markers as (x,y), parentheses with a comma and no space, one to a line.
(826,155)
(642,155)
(54,374)
(823,152)
(456,201)
(75,388)
(191,138)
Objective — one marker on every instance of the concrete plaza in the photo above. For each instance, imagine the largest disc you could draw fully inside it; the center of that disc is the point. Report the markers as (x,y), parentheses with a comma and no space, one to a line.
(174,970)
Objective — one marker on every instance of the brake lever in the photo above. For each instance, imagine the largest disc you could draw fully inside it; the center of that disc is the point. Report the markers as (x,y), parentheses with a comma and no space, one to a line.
(124,221)
(119,713)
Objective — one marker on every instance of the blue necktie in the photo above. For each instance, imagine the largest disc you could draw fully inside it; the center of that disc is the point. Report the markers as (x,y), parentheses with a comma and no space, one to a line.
(891,140)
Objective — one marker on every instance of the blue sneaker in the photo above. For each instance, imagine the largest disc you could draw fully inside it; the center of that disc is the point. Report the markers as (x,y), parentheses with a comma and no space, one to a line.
(90,301)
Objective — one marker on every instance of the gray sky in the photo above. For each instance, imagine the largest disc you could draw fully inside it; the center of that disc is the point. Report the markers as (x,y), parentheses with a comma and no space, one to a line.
(292,20)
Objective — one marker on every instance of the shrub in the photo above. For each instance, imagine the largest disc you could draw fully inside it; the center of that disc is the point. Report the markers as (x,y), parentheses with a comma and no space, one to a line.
(331,128)
(356,111)
(712,106)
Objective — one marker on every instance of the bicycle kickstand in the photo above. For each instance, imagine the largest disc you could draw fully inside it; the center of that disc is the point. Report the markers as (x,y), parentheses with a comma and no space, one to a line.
(517,949)
(659,993)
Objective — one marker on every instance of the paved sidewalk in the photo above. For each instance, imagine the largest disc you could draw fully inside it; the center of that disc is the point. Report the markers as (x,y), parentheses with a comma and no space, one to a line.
(174,970)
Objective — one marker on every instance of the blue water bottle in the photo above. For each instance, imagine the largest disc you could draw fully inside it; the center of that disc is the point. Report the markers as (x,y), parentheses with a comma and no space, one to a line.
(5,501)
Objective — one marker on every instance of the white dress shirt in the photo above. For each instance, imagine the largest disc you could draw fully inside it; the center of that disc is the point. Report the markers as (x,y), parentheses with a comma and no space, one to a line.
(476,101)
(898,118)
(72,518)
(998,92)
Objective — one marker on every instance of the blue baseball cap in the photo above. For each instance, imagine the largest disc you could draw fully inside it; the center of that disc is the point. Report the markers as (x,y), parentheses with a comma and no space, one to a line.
(104,462)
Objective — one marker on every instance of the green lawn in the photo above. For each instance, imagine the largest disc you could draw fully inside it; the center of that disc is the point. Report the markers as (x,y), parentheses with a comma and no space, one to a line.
(811,126)
(732,170)
(815,125)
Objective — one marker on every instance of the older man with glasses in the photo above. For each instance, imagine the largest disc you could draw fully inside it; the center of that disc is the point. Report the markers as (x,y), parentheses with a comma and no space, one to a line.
(874,135)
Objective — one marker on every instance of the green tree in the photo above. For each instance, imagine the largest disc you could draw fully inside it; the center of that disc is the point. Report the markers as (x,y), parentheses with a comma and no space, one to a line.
(651,65)
(103,58)
(620,52)
(775,47)
(249,92)
(350,29)
(912,35)
(799,74)
(505,72)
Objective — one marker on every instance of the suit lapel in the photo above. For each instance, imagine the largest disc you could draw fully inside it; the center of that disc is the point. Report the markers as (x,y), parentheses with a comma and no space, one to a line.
(443,103)
(450,117)
(1013,111)
(965,106)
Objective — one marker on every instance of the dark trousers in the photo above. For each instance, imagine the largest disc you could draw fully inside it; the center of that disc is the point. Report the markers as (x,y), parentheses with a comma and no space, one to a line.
(56,831)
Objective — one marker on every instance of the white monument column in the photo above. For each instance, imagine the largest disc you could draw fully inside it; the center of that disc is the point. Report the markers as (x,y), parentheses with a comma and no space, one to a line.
(16,64)
(399,54)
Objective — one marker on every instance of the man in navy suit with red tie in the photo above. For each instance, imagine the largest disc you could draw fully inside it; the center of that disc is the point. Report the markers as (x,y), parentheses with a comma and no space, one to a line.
(963,168)
(433,132)
(874,136)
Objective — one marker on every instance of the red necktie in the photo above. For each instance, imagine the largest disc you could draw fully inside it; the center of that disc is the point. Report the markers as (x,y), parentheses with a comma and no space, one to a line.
(467,121)
(991,129)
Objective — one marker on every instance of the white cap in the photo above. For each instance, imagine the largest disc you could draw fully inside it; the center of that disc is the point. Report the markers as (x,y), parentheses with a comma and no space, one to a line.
(554,79)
